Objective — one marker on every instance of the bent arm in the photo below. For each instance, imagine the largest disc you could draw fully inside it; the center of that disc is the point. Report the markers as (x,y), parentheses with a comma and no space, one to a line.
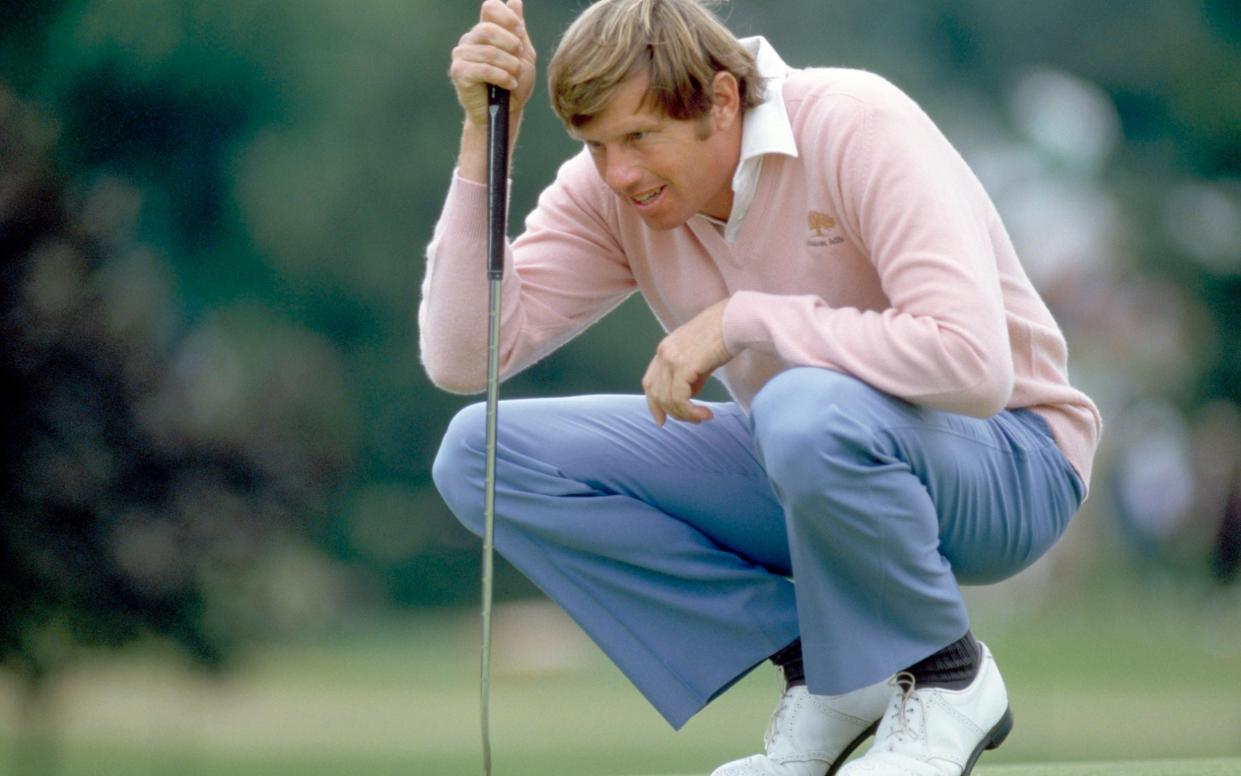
(922,218)
(562,274)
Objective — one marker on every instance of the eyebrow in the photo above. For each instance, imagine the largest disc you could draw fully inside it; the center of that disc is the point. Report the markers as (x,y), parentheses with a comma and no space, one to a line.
(644,125)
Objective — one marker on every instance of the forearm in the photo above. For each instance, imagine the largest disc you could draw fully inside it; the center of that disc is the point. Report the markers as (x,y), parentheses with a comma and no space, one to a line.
(562,273)
(452,314)
(959,360)
(472,160)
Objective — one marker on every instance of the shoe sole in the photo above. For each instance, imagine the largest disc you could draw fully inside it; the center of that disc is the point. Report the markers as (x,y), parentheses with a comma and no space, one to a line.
(854,744)
(992,740)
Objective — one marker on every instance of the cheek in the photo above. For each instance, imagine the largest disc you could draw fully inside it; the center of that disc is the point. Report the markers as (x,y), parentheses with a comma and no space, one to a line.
(677,166)
(599,162)
(704,128)
(695,169)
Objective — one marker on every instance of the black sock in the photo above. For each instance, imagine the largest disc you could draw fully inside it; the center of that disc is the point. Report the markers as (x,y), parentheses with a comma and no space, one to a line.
(953,667)
(789,661)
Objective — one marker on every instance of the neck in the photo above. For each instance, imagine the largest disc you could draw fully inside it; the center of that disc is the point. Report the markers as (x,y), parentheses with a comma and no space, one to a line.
(721,205)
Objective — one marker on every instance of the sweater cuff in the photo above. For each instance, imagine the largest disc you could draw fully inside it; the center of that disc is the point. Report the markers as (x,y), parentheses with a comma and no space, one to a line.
(743,323)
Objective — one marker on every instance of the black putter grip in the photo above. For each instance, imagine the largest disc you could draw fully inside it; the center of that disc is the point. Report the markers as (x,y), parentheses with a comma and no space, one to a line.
(497,179)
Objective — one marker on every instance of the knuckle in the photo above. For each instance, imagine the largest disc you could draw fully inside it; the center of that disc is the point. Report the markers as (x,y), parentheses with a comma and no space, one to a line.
(482,32)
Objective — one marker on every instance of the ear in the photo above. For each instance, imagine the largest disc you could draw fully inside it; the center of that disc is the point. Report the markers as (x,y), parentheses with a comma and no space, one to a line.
(726,96)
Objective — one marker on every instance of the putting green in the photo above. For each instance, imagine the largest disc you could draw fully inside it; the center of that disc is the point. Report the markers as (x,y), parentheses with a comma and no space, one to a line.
(1228,766)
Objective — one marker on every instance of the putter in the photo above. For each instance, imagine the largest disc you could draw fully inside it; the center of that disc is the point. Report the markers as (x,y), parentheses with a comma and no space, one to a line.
(497,229)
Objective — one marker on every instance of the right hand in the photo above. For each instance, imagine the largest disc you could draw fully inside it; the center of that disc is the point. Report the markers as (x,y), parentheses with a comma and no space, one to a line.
(497,51)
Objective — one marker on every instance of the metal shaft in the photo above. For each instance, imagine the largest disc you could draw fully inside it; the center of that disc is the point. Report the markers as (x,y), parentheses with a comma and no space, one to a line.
(489,511)
(497,222)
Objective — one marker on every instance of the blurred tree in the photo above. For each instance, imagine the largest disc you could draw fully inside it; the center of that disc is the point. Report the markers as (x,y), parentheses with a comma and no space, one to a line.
(293,157)
(124,514)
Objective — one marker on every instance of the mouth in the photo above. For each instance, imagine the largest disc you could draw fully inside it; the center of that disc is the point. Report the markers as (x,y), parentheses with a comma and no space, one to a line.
(649,198)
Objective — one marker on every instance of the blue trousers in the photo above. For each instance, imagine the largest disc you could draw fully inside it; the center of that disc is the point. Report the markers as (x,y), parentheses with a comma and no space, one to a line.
(832,511)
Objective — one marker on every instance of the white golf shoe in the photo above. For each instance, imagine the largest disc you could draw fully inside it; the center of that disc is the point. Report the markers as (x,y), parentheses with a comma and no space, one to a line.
(811,735)
(932,731)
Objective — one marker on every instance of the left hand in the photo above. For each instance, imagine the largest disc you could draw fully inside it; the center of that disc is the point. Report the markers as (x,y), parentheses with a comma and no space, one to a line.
(683,362)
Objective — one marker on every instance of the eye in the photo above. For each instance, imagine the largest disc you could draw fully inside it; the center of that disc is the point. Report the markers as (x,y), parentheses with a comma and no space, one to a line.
(635,137)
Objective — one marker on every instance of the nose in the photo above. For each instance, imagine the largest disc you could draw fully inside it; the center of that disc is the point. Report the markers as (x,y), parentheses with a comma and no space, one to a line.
(619,170)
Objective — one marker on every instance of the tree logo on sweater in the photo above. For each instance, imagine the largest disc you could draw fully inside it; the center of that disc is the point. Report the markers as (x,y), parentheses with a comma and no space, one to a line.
(821,225)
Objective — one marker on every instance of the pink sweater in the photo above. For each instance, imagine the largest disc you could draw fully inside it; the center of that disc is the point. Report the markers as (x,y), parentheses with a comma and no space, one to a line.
(875,252)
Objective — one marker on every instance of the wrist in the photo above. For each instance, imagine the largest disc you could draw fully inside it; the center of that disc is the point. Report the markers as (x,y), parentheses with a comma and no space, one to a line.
(472,161)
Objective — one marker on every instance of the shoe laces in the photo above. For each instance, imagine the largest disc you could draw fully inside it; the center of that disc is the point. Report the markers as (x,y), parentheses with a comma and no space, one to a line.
(906,715)
(773,726)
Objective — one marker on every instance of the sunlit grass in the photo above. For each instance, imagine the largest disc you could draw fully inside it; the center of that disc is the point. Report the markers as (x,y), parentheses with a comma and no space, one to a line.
(1127,673)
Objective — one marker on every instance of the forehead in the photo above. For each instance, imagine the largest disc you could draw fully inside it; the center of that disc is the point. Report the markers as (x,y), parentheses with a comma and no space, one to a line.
(628,110)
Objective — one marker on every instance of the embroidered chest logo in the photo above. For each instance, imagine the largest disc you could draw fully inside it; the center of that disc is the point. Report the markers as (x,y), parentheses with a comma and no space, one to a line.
(821,227)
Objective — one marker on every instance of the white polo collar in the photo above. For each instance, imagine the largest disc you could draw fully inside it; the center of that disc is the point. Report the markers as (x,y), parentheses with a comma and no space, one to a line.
(765,129)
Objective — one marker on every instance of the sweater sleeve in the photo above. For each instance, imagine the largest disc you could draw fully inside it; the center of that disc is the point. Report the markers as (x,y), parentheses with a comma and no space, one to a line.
(564,272)
(921,217)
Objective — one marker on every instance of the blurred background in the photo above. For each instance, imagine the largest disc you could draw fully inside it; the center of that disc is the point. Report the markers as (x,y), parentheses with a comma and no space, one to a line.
(220,549)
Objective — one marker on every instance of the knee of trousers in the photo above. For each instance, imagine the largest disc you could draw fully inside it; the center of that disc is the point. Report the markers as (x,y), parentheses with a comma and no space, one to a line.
(815,430)
(458,470)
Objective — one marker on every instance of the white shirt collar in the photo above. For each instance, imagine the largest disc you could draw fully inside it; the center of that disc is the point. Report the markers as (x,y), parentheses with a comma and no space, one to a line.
(765,129)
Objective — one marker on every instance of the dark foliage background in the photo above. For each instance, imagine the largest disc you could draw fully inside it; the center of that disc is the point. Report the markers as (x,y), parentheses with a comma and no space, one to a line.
(212,218)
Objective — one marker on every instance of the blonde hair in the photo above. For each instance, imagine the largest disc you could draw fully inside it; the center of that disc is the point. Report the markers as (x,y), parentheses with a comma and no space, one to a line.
(679,44)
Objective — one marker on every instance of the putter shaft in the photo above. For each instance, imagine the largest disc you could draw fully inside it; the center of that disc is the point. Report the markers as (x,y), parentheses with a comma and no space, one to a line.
(497,221)
(489,500)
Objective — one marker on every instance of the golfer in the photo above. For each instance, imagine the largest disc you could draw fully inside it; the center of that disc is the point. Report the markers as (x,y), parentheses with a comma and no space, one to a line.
(902,421)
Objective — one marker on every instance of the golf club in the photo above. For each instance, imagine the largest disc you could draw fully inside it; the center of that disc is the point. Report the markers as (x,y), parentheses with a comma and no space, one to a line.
(497,228)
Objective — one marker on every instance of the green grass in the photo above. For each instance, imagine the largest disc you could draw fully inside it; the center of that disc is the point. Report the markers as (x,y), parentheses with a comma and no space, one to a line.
(1229,766)
(1125,680)
(1223,766)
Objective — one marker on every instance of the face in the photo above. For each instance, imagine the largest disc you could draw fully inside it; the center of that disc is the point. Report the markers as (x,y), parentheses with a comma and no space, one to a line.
(667,170)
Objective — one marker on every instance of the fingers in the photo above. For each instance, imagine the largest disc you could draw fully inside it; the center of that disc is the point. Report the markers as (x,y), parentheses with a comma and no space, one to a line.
(488,51)
(503,26)
(511,17)
(657,413)
(669,390)
(689,413)
(518,8)
(497,50)
(474,64)
(507,15)
(683,361)
(686,411)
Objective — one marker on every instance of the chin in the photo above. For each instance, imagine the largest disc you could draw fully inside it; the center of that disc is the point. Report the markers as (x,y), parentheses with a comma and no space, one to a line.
(667,221)
(663,225)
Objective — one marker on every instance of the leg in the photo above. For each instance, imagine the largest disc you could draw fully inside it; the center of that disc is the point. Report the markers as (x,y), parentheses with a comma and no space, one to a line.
(665,545)
(890,507)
